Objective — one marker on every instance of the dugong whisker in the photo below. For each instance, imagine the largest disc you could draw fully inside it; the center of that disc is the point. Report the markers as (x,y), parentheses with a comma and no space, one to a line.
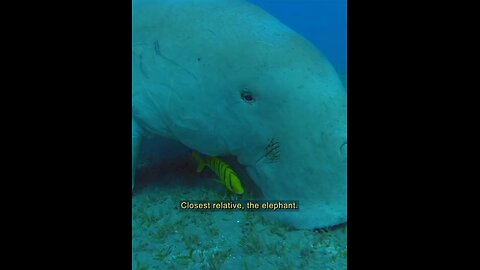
(272,152)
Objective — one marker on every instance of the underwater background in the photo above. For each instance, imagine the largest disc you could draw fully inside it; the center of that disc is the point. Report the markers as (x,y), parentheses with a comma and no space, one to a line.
(322,22)
(167,237)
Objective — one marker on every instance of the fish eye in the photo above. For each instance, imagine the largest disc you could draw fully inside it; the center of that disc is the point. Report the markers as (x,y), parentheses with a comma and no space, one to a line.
(247,96)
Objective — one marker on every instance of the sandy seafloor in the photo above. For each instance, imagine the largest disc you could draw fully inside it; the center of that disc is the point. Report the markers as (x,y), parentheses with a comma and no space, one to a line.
(166,237)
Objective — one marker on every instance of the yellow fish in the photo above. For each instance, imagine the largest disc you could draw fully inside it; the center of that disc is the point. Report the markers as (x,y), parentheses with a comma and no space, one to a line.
(225,173)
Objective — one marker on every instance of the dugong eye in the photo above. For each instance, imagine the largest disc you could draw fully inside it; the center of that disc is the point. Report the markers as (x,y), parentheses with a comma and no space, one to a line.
(247,96)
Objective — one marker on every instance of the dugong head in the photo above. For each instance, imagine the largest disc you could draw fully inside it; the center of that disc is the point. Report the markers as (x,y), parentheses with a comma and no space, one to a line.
(241,83)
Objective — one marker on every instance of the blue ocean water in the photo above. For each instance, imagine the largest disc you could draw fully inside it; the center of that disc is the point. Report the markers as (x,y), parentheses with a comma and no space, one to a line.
(322,22)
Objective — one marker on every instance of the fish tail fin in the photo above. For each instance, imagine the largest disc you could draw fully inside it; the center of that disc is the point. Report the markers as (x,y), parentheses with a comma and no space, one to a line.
(200,161)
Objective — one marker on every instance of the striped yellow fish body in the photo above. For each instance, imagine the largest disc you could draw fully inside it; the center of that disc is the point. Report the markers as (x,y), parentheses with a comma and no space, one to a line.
(224,172)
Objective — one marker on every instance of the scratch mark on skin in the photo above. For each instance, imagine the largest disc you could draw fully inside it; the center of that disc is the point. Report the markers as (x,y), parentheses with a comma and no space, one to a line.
(142,68)
(343,144)
(156,47)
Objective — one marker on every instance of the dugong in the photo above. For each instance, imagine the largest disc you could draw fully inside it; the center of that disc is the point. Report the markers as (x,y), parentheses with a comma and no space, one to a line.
(223,77)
